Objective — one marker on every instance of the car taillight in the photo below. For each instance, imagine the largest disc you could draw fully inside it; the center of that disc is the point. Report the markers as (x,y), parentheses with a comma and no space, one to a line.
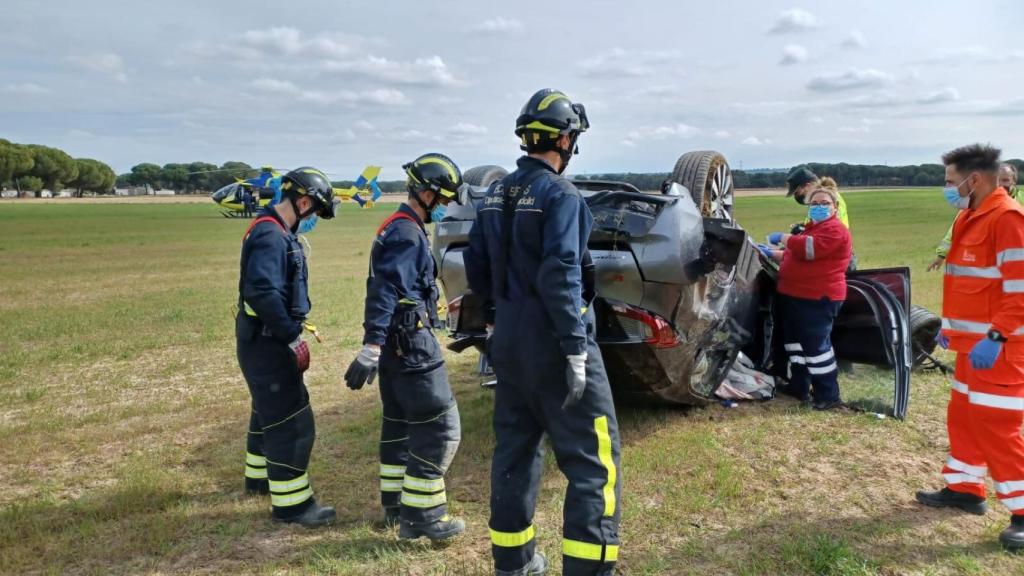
(656,331)
(452,318)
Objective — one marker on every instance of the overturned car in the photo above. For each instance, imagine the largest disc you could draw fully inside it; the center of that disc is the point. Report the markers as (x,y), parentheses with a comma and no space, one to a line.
(683,290)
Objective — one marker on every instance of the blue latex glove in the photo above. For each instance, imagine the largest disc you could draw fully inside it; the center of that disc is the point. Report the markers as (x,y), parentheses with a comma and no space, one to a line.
(766,250)
(984,354)
(942,340)
(775,238)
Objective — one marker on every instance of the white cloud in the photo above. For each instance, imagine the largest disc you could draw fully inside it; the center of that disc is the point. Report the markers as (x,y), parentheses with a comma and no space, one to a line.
(723,134)
(468,129)
(26,89)
(498,25)
(816,120)
(946,94)
(663,132)
(793,54)
(794,20)
(973,55)
(285,48)
(431,70)
(380,96)
(364,125)
(855,40)
(617,63)
(628,143)
(850,80)
(106,63)
(755,141)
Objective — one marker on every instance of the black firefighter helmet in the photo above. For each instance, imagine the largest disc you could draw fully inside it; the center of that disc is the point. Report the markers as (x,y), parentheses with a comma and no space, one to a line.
(307,181)
(436,172)
(547,115)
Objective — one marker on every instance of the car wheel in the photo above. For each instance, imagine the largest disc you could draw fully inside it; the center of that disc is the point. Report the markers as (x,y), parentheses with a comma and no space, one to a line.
(707,176)
(924,327)
(483,175)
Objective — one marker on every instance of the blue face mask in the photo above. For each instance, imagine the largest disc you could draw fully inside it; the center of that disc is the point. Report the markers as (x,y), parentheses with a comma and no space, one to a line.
(438,213)
(952,195)
(818,213)
(307,224)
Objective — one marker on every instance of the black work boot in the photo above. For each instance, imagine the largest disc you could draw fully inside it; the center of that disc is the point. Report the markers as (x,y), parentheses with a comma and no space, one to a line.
(390,519)
(825,405)
(444,528)
(538,565)
(313,516)
(947,498)
(1012,538)
(254,487)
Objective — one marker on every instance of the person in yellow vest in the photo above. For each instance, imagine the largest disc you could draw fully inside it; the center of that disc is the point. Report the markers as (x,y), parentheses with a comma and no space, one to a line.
(1007,181)
(801,182)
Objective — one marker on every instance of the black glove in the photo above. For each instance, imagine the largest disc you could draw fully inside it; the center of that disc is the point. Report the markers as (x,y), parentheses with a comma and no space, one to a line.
(363,369)
(576,376)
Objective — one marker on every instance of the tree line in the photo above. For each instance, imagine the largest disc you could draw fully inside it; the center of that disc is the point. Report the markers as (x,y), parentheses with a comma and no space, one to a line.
(205,177)
(33,168)
(846,175)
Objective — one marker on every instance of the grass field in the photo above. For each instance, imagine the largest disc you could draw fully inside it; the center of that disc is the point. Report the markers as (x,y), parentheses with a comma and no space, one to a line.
(124,416)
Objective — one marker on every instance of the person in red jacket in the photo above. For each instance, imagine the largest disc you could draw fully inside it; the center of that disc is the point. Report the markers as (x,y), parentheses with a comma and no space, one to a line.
(811,288)
(983,321)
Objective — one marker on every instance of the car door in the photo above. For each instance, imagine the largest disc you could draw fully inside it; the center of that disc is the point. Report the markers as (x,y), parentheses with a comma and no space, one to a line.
(873,327)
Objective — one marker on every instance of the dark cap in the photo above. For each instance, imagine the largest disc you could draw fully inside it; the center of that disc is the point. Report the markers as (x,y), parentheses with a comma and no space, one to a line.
(798,177)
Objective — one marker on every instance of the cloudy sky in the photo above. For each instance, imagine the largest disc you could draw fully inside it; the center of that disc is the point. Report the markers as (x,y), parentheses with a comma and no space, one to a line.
(339,84)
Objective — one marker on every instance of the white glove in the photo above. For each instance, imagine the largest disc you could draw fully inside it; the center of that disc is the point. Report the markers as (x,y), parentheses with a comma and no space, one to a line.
(576,375)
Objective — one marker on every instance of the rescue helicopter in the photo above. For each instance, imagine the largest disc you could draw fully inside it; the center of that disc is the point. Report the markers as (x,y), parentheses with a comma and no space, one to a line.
(264,189)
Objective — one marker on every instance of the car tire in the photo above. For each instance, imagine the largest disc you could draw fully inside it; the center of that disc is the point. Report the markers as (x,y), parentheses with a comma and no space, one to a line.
(483,175)
(924,327)
(707,176)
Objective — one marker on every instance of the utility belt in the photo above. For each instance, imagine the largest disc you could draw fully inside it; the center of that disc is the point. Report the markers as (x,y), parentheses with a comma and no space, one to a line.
(408,321)
(255,326)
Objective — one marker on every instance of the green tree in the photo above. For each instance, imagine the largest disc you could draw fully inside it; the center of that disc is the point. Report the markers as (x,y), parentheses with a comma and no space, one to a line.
(200,176)
(174,176)
(93,176)
(30,184)
(146,174)
(230,171)
(15,161)
(54,167)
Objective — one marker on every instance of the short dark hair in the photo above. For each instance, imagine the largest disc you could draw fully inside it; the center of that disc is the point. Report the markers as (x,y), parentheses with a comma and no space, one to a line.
(973,157)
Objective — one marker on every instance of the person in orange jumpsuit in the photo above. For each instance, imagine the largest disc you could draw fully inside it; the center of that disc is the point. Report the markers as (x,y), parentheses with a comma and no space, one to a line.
(983,321)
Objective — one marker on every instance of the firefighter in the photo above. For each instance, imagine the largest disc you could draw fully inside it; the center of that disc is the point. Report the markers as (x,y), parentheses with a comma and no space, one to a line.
(983,321)
(420,430)
(525,255)
(273,304)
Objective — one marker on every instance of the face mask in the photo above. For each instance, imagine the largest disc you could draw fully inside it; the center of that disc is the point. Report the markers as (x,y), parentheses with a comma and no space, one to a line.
(953,197)
(438,213)
(819,213)
(307,224)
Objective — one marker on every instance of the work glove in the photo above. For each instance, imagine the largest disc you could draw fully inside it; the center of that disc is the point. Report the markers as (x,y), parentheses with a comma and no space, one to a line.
(301,351)
(363,369)
(942,340)
(775,238)
(766,250)
(576,376)
(797,229)
(984,354)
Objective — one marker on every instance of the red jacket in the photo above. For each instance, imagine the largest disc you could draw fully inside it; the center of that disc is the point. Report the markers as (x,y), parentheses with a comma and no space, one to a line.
(815,261)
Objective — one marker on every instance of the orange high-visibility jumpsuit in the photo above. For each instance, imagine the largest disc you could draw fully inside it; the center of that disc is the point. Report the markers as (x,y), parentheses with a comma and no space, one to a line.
(983,289)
